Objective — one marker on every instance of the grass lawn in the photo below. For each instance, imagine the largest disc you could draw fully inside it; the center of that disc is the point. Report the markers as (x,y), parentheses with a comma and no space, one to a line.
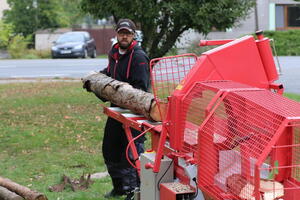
(51,129)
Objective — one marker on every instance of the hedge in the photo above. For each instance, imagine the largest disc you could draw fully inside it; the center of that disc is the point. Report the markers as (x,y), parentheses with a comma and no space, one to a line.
(287,43)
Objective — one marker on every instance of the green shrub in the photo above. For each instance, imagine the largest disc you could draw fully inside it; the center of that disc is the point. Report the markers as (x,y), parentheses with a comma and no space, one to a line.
(287,43)
(29,56)
(18,46)
(6,33)
(36,54)
(18,49)
(172,52)
(198,50)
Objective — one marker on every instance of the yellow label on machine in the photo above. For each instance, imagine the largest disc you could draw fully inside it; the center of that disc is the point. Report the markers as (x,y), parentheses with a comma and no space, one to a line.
(180,85)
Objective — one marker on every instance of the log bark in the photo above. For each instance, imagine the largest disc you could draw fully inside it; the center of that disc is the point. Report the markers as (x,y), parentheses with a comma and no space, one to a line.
(6,194)
(23,191)
(123,95)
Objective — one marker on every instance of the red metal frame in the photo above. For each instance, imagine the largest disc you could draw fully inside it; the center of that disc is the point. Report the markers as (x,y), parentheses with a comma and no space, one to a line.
(167,73)
(278,146)
(133,122)
(214,42)
(224,115)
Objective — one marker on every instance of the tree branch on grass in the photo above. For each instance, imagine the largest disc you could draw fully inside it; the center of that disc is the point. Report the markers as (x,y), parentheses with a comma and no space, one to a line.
(23,191)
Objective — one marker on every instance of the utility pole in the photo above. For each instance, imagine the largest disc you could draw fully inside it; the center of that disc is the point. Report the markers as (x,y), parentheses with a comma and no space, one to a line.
(256,16)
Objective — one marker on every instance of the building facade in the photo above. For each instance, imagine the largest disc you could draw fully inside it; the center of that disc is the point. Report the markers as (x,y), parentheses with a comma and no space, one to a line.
(269,15)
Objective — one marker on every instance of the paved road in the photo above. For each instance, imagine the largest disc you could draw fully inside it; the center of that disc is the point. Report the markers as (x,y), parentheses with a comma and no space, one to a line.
(77,68)
(290,77)
(49,68)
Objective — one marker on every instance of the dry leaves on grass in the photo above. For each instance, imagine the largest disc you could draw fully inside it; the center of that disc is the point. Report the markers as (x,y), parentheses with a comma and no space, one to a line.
(75,184)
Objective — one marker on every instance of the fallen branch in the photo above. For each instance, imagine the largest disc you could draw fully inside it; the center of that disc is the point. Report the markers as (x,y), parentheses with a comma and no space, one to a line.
(76,184)
(23,191)
(6,194)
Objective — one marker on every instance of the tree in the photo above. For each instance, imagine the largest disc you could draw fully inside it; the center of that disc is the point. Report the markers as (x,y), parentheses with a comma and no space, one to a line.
(71,15)
(163,21)
(31,15)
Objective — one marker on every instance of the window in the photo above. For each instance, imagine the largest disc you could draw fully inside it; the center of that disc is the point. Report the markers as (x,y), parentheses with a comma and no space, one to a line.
(287,17)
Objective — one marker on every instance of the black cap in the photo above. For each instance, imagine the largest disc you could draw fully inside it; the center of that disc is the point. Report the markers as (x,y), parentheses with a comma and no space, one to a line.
(125,24)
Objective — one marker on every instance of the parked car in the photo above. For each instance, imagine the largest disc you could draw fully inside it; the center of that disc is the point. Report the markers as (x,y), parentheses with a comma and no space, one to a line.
(74,44)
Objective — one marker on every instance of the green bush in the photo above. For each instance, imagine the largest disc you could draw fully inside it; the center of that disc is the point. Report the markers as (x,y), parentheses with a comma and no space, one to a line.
(198,50)
(37,54)
(6,33)
(18,49)
(173,51)
(287,43)
(18,46)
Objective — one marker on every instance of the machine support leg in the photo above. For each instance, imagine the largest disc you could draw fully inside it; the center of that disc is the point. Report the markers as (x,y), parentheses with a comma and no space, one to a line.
(133,148)
(159,153)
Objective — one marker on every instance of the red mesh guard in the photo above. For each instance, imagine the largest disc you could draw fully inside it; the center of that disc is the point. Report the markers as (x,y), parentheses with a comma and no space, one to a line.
(235,125)
(296,154)
(194,111)
(168,72)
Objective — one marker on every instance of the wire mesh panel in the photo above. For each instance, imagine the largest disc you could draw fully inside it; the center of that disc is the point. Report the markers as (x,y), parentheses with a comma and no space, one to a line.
(195,110)
(228,127)
(168,72)
(296,153)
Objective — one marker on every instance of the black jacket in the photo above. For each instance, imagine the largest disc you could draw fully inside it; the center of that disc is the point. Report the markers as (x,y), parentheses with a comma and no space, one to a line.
(131,67)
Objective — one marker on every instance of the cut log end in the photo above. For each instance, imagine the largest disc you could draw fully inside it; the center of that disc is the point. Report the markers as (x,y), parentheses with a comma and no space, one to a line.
(158,112)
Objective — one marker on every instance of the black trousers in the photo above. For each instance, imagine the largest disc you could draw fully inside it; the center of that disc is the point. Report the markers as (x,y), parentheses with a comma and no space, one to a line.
(114,153)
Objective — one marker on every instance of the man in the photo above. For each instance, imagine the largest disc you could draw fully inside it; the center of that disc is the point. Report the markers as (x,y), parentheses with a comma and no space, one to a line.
(127,63)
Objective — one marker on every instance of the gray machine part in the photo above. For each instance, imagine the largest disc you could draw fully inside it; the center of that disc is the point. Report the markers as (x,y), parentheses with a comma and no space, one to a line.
(191,171)
(150,181)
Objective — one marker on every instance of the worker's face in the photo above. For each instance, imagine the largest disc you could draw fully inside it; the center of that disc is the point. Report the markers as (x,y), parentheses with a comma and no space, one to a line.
(125,38)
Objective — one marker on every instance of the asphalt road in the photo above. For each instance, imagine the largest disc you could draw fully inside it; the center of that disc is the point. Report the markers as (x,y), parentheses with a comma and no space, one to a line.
(290,77)
(77,68)
(50,68)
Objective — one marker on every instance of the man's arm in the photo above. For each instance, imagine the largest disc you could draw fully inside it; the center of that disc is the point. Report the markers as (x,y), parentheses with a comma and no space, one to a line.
(140,73)
(104,71)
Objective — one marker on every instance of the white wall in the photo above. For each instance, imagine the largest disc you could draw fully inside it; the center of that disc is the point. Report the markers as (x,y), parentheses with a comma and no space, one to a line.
(44,41)
(3,6)
(44,38)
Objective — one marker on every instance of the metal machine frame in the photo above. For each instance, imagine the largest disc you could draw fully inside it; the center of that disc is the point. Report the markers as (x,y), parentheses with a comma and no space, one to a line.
(211,120)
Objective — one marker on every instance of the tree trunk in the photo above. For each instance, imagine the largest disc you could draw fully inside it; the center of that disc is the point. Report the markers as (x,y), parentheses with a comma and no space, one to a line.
(21,190)
(6,194)
(123,95)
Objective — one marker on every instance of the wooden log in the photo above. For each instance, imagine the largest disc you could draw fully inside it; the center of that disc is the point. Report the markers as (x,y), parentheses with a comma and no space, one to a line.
(123,95)
(238,185)
(23,191)
(6,194)
(269,189)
